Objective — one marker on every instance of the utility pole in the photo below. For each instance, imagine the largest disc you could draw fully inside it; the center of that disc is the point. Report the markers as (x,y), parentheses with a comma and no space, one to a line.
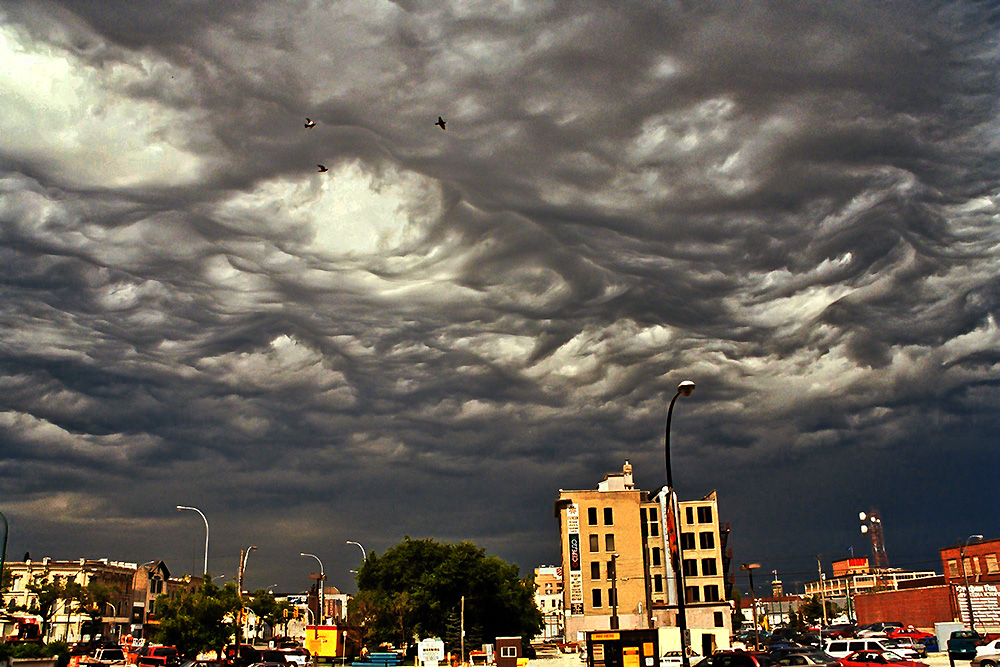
(462,629)
(822,602)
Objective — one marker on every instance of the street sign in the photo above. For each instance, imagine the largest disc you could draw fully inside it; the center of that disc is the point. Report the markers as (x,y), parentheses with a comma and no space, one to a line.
(430,651)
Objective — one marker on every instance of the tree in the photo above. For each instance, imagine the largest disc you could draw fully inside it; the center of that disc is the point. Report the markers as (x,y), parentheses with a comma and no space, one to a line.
(435,576)
(811,610)
(48,593)
(198,620)
(266,609)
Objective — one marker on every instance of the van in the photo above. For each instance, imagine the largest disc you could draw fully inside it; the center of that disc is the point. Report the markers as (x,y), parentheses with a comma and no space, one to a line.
(841,648)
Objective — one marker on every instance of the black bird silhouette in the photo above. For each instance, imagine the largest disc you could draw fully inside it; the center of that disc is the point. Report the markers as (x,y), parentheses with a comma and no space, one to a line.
(309,124)
(440,122)
(322,169)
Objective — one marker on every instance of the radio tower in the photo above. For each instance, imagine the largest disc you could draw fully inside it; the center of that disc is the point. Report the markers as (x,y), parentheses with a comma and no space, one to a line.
(871,524)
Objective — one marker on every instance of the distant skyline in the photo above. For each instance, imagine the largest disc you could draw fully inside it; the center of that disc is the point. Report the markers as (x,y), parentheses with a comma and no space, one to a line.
(794,205)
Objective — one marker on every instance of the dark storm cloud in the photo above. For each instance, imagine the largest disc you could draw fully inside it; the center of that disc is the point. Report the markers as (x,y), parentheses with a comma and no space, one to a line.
(794,205)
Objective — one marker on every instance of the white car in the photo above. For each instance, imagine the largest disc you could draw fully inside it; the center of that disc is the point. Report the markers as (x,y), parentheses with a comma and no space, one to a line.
(989,647)
(841,648)
(673,658)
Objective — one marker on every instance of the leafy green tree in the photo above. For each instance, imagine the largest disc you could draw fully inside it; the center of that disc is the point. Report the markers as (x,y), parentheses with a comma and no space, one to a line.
(267,610)
(362,618)
(198,620)
(435,576)
(812,611)
(48,593)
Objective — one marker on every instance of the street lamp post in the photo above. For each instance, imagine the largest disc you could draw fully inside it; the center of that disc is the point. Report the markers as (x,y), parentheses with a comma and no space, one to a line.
(195,509)
(749,568)
(364,556)
(614,591)
(685,388)
(965,576)
(3,552)
(320,597)
(244,556)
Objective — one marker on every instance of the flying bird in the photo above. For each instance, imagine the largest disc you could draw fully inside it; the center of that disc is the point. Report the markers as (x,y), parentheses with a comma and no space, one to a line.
(440,123)
(310,124)
(322,169)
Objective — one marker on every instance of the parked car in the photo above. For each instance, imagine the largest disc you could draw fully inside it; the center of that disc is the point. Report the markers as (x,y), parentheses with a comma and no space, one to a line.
(105,656)
(877,658)
(962,644)
(905,646)
(838,631)
(910,632)
(805,659)
(988,647)
(674,658)
(156,656)
(880,629)
(840,648)
(738,659)
(986,660)
(298,656)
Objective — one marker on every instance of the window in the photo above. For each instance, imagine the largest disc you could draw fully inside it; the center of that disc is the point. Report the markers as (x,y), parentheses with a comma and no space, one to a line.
(656,555)
(719,622)
(704,515)
(593,544)
(689,514)
(711,593)
(690,567)
(692,594)
(708,567)
(707,540)
(687,541)
(591,516)
(953,568)
(657,583)
(992,567)
(609,517)
(654,528)
(595,570)
(654,515)
(609,542)
(597,597)
(508,651)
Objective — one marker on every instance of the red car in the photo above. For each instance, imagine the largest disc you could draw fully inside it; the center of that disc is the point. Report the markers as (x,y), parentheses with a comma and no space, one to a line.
(911,632)
(878,659)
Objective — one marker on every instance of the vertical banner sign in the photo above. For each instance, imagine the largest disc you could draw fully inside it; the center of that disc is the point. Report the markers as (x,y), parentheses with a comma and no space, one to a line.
(575,569)
(669,516)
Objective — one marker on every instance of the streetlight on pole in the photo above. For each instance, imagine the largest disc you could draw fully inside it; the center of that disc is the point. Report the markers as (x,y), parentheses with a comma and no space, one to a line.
(244,556)
(685,388)
(195,509)
(749,568)
(321,585)
(364,556)
(614,591)
(965,575)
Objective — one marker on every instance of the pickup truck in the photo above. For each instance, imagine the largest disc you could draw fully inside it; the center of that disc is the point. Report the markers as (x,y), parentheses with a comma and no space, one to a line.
(962,644)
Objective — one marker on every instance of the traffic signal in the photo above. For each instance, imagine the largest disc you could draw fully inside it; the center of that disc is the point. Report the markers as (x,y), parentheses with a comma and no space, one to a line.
(284,612)
(296,612)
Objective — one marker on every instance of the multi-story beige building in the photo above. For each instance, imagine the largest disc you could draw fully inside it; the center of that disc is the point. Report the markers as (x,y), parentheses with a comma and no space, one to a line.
(549,600)
(133,589)
(615,560)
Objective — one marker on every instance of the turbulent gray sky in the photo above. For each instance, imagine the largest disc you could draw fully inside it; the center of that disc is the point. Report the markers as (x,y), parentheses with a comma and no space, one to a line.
(794,204)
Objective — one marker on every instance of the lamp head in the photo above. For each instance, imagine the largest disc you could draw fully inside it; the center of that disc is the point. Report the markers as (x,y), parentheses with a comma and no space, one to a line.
(685,388)
(862,516)
(864,529)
